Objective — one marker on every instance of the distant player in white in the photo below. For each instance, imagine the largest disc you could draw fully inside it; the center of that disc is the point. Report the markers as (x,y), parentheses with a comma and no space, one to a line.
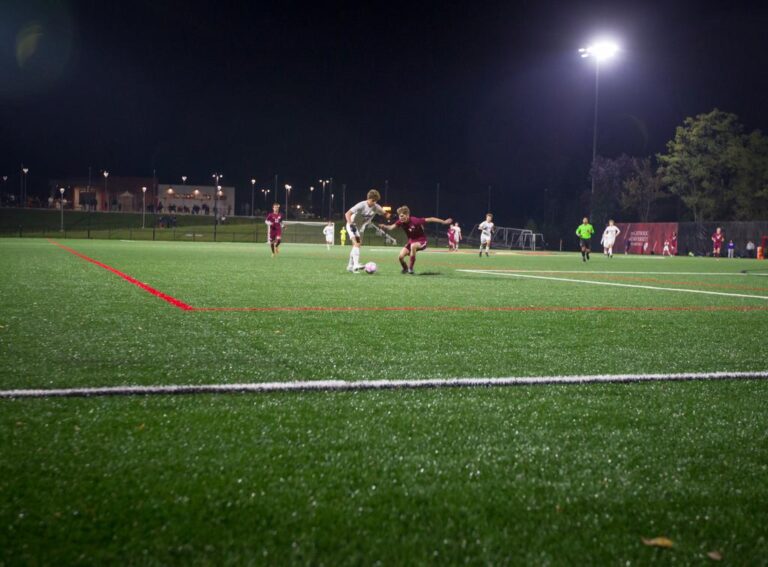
(666,251)
(358,218)
(609,238)
(328,232)
(486,233)
(457,235)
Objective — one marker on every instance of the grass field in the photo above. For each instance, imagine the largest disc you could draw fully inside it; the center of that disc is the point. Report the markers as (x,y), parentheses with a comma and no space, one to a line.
(548,474)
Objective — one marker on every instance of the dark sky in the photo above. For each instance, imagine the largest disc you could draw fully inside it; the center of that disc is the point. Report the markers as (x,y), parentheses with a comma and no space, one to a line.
(462,93)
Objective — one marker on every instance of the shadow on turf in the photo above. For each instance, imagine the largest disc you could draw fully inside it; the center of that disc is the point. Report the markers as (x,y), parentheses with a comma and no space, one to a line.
(429,273)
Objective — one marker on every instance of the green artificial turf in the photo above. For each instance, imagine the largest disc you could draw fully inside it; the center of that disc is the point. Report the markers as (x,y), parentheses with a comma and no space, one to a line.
(533,475)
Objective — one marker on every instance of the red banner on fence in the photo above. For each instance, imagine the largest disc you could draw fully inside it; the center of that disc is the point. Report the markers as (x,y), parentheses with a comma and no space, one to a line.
(646,237)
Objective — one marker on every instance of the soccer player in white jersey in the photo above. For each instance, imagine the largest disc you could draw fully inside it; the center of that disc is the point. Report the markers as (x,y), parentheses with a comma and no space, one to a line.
(358,218)
(457,235)
(486,232)
(328,232)
(609,238)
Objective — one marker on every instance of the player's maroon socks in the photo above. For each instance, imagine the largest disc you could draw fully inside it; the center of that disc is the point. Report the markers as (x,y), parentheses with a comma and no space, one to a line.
(413,261)
(403,264)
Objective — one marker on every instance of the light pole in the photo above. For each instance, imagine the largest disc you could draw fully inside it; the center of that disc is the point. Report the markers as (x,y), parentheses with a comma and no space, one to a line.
(312,200)
(253,191)
(143,205)
(25,171)
(216,188)
(330,208)
(600,51)
(324,182)
(265,192)
(287,195)
(61,191)
(106,193)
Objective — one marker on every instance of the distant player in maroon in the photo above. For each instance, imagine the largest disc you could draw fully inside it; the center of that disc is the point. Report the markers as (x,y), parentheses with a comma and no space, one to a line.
(451,239)
(417,239)
(717,242)
(275,231)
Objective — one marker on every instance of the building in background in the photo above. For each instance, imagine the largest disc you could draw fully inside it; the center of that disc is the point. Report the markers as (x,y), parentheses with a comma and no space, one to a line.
(196,199)
(112,193)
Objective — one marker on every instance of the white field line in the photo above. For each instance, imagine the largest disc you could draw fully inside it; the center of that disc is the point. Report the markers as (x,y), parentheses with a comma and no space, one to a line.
(739,274)
(342,385)
(614,284)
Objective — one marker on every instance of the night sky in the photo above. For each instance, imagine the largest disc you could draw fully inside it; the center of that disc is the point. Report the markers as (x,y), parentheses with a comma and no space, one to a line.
(467,94)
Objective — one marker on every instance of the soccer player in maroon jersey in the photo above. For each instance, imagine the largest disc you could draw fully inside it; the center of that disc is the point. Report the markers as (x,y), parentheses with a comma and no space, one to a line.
(275,232)
(717,242)
(417,239)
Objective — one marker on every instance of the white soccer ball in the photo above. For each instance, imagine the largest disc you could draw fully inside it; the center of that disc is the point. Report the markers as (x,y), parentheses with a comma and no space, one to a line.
(370,268)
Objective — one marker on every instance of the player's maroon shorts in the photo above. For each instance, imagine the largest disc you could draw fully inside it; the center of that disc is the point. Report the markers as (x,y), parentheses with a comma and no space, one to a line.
(422,244)
(275,235)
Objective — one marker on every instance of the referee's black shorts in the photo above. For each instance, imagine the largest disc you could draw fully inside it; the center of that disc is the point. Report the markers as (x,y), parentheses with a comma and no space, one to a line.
(584,243)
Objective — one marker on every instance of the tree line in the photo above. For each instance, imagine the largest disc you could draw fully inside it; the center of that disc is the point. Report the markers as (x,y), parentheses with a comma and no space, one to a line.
(712,170)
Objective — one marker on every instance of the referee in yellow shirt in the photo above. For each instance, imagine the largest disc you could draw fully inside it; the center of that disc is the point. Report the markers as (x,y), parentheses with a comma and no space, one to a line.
(585,232)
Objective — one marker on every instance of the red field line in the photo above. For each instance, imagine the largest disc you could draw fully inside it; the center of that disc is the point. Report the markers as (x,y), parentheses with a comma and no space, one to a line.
(172,300)
(186,307)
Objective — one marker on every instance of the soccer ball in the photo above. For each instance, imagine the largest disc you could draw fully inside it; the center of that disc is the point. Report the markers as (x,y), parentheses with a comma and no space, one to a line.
(370,268)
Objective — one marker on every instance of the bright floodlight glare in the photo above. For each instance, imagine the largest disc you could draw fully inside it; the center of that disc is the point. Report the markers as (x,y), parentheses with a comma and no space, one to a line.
(601,50)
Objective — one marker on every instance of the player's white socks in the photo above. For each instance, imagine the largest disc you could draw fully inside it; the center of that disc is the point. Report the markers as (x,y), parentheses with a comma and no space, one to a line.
(354,258)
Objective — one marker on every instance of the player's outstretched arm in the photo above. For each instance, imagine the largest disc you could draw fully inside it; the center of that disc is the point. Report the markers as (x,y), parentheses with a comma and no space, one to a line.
(441,221)
(386,227)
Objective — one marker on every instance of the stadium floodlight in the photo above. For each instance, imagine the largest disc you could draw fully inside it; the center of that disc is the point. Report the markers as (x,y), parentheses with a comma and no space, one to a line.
(61,190)
(600,51)
(183,179)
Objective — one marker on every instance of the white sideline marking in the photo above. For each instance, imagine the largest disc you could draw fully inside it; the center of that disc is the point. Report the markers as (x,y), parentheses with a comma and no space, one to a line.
(740,274)
(614,284)
(342,385)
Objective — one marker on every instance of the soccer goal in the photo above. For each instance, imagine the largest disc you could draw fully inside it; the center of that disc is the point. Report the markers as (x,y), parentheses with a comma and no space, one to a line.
(511,238)
(305,232)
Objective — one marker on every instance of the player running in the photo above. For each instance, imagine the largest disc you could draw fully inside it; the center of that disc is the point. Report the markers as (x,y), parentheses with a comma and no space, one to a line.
(486,233)
(328,232)
(609,238)
(358,218)
(417,239)
(585,232)
(451,239)
(717,242)
(274,221)
(457,235)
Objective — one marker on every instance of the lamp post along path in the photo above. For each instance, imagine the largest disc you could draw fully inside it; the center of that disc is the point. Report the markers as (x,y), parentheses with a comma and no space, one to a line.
(143,206)
(61,206)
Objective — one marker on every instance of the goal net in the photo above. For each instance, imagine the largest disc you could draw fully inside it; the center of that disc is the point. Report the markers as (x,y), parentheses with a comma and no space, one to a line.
(510,238)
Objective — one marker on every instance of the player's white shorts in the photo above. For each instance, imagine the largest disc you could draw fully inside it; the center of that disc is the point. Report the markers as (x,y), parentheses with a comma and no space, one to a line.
(609,242)
(360,231)
(329,239)
(485,239)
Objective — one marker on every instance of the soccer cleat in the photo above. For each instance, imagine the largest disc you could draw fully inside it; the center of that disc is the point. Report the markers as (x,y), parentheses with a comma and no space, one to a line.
(404,271)
(410,272)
